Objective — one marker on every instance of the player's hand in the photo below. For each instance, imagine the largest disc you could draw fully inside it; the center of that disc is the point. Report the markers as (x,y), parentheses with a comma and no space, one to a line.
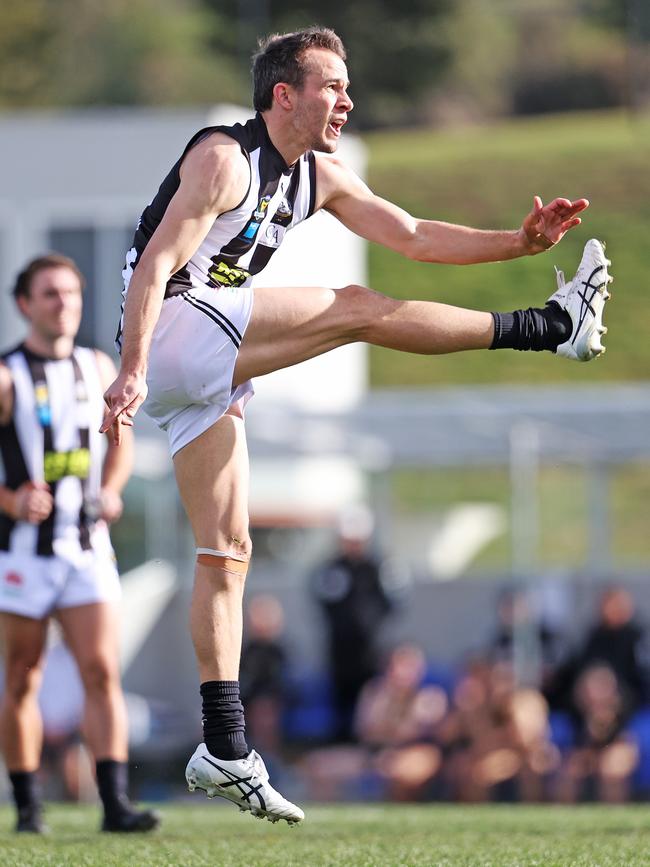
(110,505)
(123,398)
(32,502)
(547,224)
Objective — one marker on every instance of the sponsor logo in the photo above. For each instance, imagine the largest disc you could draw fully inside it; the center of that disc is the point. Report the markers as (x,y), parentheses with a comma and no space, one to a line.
(57,465)
(231,276)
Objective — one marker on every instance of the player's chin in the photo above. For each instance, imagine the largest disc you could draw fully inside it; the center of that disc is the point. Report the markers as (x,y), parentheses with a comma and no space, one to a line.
(326,146)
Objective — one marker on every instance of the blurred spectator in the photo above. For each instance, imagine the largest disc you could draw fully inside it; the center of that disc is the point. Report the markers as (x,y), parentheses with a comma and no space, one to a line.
(516,620)
(397,715)
(263,672)
(497,738)
(604,758)
(352,592)
(615,640)
(601,686)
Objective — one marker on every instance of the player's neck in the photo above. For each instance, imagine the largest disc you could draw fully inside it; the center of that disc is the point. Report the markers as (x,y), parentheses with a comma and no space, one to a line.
(283,139)
(49,347)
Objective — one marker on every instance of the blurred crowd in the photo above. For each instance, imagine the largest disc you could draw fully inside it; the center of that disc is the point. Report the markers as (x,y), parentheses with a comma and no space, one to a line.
(535,714)
(387,723)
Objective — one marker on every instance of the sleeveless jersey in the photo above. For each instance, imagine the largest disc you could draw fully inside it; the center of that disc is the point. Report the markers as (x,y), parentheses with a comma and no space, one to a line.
(241,241)
(53,436)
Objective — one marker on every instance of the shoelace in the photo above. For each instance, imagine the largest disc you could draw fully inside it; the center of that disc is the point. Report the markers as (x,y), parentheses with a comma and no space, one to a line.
(559,276)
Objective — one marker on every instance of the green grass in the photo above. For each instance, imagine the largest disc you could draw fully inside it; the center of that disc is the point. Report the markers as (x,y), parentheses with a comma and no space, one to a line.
(349,836)
(486,177)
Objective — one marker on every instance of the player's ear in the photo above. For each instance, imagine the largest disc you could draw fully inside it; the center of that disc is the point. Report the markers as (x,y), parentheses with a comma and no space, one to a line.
(283,95)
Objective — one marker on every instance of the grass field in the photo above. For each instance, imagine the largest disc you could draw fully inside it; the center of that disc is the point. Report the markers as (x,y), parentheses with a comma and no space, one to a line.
(349,836)
(486,177)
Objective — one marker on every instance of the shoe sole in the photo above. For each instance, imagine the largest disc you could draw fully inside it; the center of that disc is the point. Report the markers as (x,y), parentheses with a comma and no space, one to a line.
(258,812)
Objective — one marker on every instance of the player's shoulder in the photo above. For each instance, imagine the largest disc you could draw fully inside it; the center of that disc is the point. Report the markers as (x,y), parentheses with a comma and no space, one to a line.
(215,153)
(334,177)
(218,169)
(6,391)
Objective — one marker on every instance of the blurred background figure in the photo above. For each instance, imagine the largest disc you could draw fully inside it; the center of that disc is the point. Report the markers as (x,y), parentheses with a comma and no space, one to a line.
(497,738)
(601,764)
(397,717)
(352,593)
(601,686)
(518,621)
(263,673)
(60,490)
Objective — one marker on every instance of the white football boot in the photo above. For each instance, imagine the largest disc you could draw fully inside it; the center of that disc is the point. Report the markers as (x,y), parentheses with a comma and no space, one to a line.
(584,299)
(245,782)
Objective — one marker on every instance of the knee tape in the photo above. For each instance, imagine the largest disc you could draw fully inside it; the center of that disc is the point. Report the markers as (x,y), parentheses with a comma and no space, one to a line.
(220,560)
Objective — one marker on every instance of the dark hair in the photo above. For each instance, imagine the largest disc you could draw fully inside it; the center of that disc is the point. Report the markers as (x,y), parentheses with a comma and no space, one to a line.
(24,280)
(280,57)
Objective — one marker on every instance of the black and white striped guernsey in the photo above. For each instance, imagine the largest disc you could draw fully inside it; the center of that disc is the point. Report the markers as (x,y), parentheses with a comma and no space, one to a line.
(240,242)
(53,436)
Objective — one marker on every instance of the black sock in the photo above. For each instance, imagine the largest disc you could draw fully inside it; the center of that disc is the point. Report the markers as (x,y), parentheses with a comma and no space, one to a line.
(534,329)
(112,784)
(223,719)
(26,790)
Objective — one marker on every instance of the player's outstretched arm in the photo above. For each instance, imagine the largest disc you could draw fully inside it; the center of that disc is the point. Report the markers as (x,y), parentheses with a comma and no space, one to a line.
(214,177)
(344,195)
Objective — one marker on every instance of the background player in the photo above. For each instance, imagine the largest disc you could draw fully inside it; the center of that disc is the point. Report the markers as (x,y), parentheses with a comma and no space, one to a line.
(57,498)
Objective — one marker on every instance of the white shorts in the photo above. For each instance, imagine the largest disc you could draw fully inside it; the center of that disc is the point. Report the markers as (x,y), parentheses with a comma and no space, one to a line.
(35,586)
(192,361)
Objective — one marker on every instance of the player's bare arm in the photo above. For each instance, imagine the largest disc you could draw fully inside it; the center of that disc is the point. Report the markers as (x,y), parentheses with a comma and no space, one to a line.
(214,178)
(341,192)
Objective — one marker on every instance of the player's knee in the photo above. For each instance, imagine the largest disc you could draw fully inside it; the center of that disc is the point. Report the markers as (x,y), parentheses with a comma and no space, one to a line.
(98,674)
(231,558)
(360,309)
(23,679)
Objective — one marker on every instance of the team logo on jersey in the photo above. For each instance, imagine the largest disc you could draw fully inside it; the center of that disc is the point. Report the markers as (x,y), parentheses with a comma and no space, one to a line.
(13,584)
(258,215)
(42,398)
(222,274)
(274,235)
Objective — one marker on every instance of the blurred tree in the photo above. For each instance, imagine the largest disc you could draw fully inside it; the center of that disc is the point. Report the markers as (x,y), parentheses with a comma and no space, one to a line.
(83,52)
(396,52)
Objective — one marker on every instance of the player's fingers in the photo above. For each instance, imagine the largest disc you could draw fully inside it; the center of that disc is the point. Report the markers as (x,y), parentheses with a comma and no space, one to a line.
(537,204)
(110,417)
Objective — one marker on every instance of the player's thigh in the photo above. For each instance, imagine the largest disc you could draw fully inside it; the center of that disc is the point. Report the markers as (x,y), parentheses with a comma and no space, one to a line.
(91,633)
(289,325)
(212,477)
(23,645)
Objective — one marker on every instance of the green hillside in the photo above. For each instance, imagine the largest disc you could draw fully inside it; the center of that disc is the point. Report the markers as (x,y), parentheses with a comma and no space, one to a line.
(486,177)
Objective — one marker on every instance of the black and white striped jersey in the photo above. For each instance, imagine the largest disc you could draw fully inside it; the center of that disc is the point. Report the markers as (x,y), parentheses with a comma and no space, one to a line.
(53,436)
(241,241)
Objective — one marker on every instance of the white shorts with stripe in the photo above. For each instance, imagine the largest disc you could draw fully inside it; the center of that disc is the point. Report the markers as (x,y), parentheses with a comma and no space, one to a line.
(192,360)
(35,586)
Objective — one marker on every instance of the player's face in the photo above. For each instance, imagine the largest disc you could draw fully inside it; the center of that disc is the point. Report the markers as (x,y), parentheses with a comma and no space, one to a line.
(322,104)
(53,306)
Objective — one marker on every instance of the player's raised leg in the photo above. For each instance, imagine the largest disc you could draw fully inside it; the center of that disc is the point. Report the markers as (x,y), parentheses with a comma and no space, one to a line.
(212,476)
(293,324)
